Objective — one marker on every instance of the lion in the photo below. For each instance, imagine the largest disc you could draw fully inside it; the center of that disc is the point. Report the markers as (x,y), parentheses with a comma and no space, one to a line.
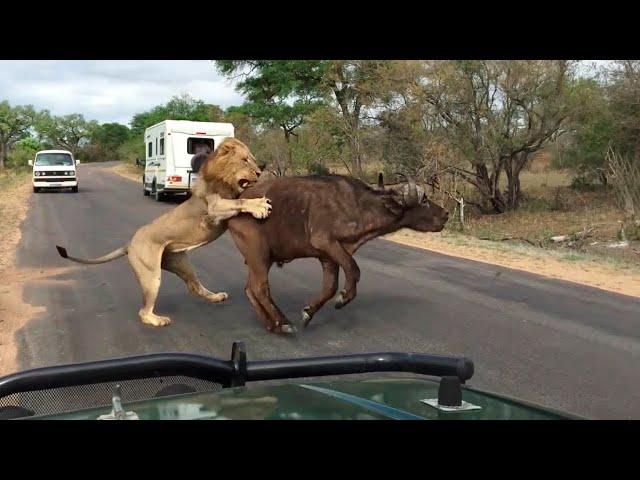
(163,244)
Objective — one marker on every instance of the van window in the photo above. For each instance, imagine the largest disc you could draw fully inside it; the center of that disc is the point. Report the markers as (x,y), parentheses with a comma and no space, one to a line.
(49,159)
(156,146)
(196,145)
(150,150)
(162,146)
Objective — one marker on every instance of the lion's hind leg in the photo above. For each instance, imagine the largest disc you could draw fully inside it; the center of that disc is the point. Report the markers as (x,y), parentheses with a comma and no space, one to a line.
(145,261)
(178,263)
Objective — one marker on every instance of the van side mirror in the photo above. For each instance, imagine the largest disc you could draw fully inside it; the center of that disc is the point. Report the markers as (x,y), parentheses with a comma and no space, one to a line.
(77,162)
(30,163)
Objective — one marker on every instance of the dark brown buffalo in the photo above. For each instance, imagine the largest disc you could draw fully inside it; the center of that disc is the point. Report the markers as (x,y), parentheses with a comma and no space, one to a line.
(329,218)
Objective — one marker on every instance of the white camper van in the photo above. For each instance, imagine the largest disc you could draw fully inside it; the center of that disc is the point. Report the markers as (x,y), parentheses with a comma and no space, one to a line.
(54,169)
(170,146)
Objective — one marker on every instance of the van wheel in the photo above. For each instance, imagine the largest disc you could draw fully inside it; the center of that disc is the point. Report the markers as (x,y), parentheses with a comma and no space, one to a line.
(74,189)
(36,190)
(157,196)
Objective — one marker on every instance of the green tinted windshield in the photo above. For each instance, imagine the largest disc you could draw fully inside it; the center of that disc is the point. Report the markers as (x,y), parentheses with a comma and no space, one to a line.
(48,159)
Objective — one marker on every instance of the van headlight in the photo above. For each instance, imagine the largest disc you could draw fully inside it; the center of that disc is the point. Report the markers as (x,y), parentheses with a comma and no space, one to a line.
(37,174)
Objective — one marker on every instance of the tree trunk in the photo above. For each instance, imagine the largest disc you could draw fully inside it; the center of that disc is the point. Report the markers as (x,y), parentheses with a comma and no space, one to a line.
(3,156)
(513,190)
(488,185)
(513,169)
(287,137)
(356,154)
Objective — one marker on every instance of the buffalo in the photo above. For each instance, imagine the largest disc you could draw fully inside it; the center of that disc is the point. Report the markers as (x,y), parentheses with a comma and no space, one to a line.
(327,217)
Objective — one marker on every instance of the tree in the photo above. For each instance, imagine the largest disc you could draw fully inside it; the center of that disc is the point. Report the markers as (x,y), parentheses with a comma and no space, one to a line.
(69,132)
(182,107)
(590,131)
(23,151)
(241,122)
(624,92)
(355,86)
(494,115)
(279,94)
(110,135)
(15,123)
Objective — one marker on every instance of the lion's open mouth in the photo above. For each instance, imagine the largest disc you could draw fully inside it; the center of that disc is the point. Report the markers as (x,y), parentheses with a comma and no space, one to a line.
(244,183)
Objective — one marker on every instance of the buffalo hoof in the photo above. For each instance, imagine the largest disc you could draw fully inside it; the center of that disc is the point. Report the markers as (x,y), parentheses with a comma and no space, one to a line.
(286,329)
(340,300)
(306,316)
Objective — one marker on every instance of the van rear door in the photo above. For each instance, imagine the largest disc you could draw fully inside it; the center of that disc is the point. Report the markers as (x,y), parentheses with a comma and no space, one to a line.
(185,146)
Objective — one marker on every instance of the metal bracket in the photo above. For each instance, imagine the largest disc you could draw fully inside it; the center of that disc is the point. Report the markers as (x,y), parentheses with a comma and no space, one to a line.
(450,397)
(118,413)
(463,407)
(239,361)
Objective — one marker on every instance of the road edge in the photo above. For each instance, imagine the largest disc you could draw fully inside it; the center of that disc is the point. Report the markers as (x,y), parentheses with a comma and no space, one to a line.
(609,279)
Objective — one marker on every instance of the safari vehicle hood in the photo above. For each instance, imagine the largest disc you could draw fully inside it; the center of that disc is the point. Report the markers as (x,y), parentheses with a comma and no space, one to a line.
(182,386)
(369,399)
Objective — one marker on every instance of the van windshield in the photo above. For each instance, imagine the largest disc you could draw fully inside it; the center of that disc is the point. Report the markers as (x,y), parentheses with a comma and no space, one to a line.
(49,159)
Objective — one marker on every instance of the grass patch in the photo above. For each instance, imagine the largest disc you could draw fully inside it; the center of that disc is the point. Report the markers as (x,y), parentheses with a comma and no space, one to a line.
(573,257)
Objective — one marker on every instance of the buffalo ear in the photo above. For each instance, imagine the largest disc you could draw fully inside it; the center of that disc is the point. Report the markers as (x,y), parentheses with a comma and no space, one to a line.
(391,204)
(380,181)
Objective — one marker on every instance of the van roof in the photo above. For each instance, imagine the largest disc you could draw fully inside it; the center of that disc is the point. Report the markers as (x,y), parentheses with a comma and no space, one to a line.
(186,126)
(54,151)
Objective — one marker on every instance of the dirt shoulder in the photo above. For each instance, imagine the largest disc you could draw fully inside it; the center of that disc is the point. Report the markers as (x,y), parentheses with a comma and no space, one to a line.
(15,190)
(128,171)
(569,266)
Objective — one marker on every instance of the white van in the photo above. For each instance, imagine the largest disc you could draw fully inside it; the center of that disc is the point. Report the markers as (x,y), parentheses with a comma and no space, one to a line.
(170,146)
(54,169)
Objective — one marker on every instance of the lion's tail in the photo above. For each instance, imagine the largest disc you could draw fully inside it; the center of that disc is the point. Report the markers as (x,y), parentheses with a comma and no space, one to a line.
(121,252)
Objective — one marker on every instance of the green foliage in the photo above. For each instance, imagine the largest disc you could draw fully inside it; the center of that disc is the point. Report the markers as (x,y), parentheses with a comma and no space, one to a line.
(15,123)
(316,168)
(22,152)
(592,129)
(278,93)
(182,107)
(110,135)
(68,132)
(131,149)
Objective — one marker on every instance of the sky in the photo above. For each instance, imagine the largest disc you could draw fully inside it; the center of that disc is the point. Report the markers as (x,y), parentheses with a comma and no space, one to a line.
(111,90)
(115,90)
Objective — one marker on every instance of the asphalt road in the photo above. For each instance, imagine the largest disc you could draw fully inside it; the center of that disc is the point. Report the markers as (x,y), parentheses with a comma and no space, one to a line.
(562,345)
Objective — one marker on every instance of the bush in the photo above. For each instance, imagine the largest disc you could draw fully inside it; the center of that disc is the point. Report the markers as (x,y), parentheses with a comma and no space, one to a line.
(316,168)
(625,179)
(583,183)
(132,149)
(22,152)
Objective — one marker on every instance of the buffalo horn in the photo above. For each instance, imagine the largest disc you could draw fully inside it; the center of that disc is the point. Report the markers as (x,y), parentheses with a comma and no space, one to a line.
(412,194)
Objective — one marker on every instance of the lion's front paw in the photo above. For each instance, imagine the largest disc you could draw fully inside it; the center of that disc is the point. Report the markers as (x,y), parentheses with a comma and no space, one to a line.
(260,207)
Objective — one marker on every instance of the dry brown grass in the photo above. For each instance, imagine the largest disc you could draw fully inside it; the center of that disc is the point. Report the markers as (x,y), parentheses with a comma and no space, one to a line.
(15,189)
(128,171)
(584,269)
